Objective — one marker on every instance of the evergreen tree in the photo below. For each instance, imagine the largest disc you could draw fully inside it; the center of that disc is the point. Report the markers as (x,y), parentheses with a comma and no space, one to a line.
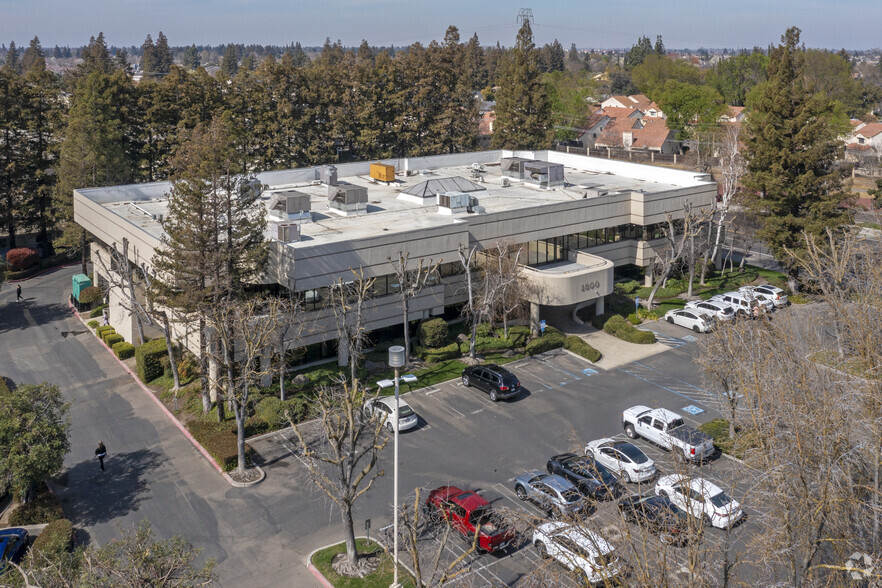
(299,55)
(213,235)
(475,64)
(148,57)
(121,61)
(659,48)
(523,111)
(33,58)
(162,55)
(96,57)
(638,53)
(13,138)
(191,58)
(96,149)
(12,62)
(56,53)
(556,57)
(230,61)
(793,151)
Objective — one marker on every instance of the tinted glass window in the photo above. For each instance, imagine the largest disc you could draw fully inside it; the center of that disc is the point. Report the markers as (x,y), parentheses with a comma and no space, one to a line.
(635,454)
(405,411)
(720,499)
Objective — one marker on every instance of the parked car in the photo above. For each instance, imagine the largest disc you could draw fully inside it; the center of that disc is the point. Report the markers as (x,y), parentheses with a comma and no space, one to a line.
(743,303)
(552,493)
(657,514)
(767,301)
(622,458)
(591,478)
(719,311)
(467,512)
(690,319)
(497,381)
(700,498)
(384,409)
(13,543)
(779,298)
(667,429)
(580,551)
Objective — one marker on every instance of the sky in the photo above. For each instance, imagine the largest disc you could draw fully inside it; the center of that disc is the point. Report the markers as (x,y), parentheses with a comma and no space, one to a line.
(852,24)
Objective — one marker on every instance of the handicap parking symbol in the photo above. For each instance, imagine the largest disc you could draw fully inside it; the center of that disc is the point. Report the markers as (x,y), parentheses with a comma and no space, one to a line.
(589,372)
(692,409)
(690,338)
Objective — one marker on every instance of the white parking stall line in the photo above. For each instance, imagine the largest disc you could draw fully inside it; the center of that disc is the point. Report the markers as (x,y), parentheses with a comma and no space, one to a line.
(548,362)
(671,342)
(539,379)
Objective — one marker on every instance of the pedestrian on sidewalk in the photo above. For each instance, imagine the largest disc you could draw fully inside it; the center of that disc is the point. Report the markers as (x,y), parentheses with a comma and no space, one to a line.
(101,453)
(18,293)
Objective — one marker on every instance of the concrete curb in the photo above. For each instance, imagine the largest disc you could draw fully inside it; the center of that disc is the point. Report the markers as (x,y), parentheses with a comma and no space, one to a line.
(236,484)
(157,400)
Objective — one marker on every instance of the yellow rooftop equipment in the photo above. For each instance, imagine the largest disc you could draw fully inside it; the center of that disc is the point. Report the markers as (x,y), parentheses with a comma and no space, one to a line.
(383,172)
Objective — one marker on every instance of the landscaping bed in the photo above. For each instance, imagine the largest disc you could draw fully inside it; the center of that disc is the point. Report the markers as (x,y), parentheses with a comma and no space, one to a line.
(381,578)
(737,447)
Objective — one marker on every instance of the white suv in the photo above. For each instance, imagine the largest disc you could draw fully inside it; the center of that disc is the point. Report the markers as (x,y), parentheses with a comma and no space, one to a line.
(715,309)
(700,498)
(579,550)
(779,298)
(743,302)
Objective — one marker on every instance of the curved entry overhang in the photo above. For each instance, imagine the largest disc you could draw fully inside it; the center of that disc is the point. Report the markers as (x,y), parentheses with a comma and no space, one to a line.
(587,278)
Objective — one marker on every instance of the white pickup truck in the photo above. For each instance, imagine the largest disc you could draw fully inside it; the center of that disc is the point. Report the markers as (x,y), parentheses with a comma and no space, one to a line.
(667,429)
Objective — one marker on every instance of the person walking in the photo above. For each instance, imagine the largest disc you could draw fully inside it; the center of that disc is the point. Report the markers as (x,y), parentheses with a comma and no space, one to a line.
(101,453)
(18,293)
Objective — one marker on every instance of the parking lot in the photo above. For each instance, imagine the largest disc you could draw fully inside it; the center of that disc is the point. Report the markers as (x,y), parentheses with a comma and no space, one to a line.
(464,439)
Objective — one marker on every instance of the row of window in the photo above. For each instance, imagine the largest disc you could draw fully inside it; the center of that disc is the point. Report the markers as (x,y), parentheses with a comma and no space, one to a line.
(555,249)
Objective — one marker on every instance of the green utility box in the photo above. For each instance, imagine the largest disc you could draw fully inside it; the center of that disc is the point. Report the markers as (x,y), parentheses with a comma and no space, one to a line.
(80,283)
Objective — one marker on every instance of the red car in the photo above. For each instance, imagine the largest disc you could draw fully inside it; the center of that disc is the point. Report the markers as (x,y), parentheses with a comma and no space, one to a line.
(465,511)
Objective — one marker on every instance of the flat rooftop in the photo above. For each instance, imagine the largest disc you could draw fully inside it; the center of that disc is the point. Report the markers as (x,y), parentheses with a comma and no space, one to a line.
(144,205)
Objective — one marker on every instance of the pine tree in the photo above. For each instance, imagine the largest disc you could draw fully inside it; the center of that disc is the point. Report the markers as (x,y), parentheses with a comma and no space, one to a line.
(191,58)
(33,58)
(13,138)
(523,111)
(162,55)
(474,64)
(148,57)
(96,149)
(793,152)
(213,235)
(12,62)
(230,61)
(659,48)
(556,57)
(638,53)
(96,57)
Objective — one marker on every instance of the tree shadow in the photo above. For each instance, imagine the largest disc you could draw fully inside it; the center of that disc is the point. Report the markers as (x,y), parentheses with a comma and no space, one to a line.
(94,497)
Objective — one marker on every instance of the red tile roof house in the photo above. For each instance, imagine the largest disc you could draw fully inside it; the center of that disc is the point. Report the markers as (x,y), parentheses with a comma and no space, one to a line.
(865,143)
(623,128)
(602,118)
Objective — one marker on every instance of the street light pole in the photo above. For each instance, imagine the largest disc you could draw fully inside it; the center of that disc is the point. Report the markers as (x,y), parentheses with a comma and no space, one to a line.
(396,360)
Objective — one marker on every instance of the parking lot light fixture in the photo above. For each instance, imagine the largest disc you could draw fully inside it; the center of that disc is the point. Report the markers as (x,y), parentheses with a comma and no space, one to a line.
(397,358)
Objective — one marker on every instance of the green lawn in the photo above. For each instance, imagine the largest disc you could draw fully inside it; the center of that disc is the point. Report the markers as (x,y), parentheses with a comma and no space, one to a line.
(382,578)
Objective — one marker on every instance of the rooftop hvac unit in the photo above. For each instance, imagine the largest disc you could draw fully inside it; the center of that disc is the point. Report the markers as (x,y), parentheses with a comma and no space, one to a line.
(454,202)
(288,233)
(290,205)
(347,199)
(329,174)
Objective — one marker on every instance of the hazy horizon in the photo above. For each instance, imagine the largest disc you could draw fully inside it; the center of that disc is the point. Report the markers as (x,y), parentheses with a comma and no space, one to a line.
(682,23)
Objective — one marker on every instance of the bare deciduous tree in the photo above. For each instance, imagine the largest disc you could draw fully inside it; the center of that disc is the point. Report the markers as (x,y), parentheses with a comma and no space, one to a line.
(341,451)
(676,240)
(347,301)
(732,169)
(411,281)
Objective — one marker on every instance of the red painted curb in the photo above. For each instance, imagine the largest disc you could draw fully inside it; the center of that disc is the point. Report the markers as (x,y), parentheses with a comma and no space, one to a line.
(158,402)
(321,577)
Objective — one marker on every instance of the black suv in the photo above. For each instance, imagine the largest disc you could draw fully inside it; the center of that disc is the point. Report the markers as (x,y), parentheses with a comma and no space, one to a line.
(496,381)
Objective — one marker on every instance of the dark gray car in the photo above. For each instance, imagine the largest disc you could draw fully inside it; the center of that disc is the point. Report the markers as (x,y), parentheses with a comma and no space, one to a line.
(496,381)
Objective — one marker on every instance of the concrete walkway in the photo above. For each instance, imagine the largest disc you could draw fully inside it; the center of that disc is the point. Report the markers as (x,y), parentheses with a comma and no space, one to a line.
(153,471)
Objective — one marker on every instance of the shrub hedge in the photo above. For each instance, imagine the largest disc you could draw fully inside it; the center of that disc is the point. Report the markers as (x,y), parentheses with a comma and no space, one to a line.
(92,324)
(486,344)
(20,275)
(45,508)
(618,326)
(434,332)
(578,346)
(219,440)
(4,389)
(633,319)
(627,287)
(97,311)
(21,258)
(99,332)
(55,539)
(484,330)
(112,339)
(552,339)
(148,359)
(436,354)
(90,295)
(123,350)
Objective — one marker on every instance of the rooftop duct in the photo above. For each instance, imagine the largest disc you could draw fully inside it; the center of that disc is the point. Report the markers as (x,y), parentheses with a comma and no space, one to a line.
(328,174)
(290,205)
(347,199)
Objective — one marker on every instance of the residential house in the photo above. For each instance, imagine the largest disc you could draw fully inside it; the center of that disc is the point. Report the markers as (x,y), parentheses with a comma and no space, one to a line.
(865,143)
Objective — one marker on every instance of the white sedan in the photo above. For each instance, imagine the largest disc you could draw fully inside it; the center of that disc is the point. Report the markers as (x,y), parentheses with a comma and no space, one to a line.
(579,550)
(717,310)
(700,498)
(622,458)
(384,409)
(689,319)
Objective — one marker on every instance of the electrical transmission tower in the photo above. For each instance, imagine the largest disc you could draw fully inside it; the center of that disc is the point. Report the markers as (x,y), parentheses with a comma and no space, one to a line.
(525,14)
